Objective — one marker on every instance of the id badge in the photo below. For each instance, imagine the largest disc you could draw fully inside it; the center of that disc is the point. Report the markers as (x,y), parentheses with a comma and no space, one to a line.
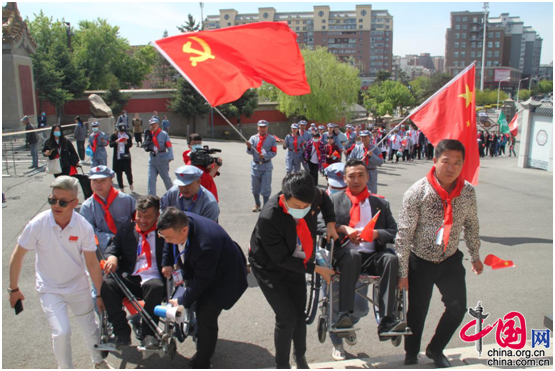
(177,277)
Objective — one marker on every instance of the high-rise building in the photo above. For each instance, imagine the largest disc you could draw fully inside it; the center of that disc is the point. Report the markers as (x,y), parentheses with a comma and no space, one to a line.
(363,36)
(512,49)
(546,71)
(439,63)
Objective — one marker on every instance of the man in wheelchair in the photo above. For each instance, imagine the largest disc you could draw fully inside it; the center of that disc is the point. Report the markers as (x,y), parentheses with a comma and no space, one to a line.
(354,209)
(135,255)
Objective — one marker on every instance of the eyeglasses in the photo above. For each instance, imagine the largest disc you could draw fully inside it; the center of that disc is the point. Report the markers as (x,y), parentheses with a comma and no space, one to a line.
(161,235)
(53,201)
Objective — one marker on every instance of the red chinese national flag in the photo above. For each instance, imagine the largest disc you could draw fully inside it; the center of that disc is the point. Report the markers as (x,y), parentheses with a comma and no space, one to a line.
(367,233)
(222,64)
(451,114)
(513,126)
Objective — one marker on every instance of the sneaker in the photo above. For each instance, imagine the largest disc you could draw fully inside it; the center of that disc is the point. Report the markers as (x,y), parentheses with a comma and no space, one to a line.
(256,208)
(351,339)
(103,365)
(131,187)
(388,326)
(344,321)
(338,353)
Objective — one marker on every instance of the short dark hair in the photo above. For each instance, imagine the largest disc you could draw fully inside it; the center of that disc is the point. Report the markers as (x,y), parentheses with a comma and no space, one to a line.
(352,162)
(449,145)
(173,218)
(146,202)
(194,137)
(299,185)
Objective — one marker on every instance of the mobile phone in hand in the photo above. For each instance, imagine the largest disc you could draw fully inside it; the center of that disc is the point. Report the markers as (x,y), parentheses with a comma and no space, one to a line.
(18,307)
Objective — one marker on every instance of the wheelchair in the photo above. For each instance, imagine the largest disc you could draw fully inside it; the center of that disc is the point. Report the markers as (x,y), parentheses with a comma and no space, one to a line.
(315,289)
(178,322)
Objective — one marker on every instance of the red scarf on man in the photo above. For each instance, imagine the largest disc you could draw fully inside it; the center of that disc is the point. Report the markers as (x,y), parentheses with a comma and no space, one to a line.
(354,214)
(261,140)
(447,199)
(106,207)
(155,139)
(295,142)
(145,247)
(302,232)
(94,143)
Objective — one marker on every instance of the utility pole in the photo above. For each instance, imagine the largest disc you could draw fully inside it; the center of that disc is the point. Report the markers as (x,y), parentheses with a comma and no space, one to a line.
(483,75)
(201,17)
(67,25)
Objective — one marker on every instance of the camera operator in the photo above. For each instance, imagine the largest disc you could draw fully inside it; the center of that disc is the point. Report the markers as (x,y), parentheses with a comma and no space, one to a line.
(194,141)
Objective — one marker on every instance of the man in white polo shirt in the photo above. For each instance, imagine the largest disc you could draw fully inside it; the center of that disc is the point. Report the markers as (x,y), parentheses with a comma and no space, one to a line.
(62,238)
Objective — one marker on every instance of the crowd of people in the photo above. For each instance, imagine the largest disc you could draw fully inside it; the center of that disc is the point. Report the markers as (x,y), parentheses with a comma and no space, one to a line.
(495,144)
(151,239)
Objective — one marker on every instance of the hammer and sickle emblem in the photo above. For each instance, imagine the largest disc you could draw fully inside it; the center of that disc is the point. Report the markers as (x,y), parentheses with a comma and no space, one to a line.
(202,56)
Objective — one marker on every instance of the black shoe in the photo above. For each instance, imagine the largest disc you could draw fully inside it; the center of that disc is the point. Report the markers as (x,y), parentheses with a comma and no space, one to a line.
(387,325)
(138,330)
(344,320)
(123,341)
(150,342)
(439,358)
(301,363)
(411,360)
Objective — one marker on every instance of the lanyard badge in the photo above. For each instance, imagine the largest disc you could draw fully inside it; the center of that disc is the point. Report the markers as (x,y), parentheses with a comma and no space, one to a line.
(177,276)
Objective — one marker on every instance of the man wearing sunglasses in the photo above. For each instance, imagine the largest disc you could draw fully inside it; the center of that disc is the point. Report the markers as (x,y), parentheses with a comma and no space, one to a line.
(62,238)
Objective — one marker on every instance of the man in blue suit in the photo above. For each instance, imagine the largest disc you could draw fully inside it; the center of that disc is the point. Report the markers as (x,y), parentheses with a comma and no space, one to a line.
(215,266)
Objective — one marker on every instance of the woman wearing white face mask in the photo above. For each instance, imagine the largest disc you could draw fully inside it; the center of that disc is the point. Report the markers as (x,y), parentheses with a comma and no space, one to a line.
(57,146)
(282,252)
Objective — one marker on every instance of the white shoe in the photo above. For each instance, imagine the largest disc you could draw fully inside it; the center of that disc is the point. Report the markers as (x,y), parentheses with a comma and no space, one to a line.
(103,365)
(351,339)
(338,353)
(131,187)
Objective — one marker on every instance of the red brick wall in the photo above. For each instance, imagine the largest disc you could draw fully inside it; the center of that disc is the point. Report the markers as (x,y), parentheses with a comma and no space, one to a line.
(26,83)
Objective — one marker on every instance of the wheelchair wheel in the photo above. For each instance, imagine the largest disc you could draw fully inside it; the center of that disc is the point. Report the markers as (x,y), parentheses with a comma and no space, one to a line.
(396,341)
(312,297)
(322,329)
(376,299)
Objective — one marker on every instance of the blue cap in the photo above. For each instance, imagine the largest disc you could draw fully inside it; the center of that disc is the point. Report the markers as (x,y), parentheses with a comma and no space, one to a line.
(294,126)
(186,175)
(95,124)
(335,173)
(153,120)
(262,123)
(348,126)
(25,118)
(364,133)
(321,127)
(101,171)
(330,125)
(303,122)
(313,125)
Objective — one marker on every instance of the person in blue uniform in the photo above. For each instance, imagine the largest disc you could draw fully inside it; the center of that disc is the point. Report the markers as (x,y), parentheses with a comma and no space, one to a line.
(307,136)
(98,141)
(293,144)
(263,149)
(371,156)
(188,195)
(160,157)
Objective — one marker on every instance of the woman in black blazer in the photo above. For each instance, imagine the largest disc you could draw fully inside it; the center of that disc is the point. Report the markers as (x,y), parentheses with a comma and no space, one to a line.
(281,253)
(120,141)
(57,146)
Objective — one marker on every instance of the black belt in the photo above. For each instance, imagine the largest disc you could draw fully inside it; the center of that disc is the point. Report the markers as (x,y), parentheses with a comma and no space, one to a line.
(261,162)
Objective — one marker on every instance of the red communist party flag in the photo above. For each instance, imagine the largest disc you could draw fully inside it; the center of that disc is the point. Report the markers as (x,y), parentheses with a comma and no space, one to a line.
(497,263)
(451,114)
(222,64)
(513,126)
(367,233)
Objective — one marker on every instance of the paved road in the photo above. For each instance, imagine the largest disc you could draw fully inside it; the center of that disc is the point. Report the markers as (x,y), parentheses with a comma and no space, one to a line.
(516,215)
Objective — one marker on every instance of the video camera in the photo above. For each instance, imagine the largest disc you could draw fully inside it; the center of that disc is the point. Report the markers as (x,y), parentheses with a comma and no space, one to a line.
(201,157)
(148,144)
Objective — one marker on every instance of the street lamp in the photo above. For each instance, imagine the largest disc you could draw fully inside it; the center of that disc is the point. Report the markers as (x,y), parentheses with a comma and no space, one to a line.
(498,90)
(518,90)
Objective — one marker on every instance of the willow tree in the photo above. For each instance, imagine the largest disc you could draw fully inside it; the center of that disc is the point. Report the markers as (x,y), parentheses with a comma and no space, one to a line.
(334,89)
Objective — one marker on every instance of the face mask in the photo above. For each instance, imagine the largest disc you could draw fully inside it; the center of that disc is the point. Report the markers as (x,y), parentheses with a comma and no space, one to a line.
(332,190)
(195,147)
(95,129)
(57,134)
(316,140)
(297,213)
(44,114)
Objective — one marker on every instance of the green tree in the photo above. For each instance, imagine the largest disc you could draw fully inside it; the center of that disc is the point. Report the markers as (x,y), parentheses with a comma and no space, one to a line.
(524,94)
(187,102)
(489,97)
(385,96)
(114,97)
(242,106)
(383,75)
(424,87)
(57,75)
(543,87)
(334,89)
(190,26)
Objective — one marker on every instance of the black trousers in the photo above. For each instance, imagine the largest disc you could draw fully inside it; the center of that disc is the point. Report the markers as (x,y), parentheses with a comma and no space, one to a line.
(288,299)
(139,138)
(352,263)
(81,149)
(313,170)
(406,155)
(430,152)
(449,277)
(120,167)
(152,292)
(207,314)
(419,152)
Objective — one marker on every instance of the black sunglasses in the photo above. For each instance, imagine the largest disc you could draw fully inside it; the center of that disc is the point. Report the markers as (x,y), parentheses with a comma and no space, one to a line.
(53,201)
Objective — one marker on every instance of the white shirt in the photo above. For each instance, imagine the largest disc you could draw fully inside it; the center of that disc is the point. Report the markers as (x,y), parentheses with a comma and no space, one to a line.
(152,272)
(121,145)
(60,265)
(314,155)
(365,218)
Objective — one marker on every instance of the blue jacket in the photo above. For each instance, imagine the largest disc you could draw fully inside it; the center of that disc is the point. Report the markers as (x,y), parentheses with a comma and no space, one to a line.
(214,263)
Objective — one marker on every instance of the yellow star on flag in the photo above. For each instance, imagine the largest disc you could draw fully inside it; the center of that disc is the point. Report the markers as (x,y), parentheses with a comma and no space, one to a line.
(469,95)
(468,123)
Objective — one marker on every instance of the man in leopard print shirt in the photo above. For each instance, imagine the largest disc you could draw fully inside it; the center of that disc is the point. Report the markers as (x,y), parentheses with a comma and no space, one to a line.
(435,210)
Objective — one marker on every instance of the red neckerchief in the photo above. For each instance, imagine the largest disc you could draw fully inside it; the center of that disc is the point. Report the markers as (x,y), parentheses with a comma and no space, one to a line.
(261,140)
(93,147)
(446,199)
(316,146)
(303,233)
(145,247)
(155,139)
(295,142)
(355,208)
(365,157)
(106,207)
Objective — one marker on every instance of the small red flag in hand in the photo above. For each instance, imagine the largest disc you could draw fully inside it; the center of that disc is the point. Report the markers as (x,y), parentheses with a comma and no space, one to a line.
(335,155)
(367,233)
(497,263)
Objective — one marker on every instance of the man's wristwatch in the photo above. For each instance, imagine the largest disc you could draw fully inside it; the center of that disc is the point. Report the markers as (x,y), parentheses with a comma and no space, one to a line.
(13,290)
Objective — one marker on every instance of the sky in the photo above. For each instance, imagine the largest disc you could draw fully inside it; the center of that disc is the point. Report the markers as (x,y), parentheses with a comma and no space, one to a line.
(419,27)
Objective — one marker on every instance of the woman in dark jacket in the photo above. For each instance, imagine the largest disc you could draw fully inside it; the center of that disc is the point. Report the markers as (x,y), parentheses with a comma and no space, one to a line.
(120,141)
(57,146)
